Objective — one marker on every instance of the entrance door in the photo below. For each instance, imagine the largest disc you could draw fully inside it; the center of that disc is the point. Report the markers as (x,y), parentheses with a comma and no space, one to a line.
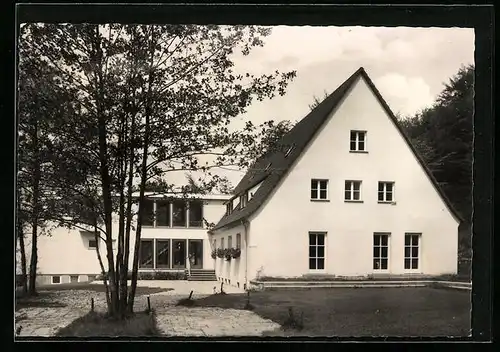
(178,254)
(196,253)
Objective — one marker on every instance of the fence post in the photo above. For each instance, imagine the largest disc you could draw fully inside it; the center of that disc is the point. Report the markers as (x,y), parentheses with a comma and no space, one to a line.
(149,304)
(92,304)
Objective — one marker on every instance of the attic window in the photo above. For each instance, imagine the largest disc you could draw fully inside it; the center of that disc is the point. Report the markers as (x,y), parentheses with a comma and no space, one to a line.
(268,167)
(289,150)
(243,200)
(229,207)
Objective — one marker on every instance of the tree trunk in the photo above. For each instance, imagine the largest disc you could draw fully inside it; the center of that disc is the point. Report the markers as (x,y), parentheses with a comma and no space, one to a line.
(34,214)
(101,264)
(24,273)
(104,171)
(135,267)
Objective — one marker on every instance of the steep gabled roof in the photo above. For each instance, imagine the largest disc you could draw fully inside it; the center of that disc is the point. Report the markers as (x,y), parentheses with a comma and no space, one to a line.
(298,138)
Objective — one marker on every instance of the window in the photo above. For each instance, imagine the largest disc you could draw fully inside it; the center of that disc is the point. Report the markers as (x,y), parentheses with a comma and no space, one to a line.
(238,240)
(92,244)
(243,200)
(268,167)
(148,213)
(196,214)
(222,243)
(229,207)
(56,279)
(411,251)
(73,278)
(179,213)
(319,189)
(162,253)
(358,141)
(385,192)
(230,242)
(380,251)
(316,251)
(162,213)
(179,254)
(146,254)
(353,190)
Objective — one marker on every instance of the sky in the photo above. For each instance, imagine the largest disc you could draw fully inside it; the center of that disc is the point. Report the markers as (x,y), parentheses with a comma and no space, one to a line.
(409,66)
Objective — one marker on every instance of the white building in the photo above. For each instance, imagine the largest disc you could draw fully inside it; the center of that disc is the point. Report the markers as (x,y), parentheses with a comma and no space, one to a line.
(346,195)
(178,230)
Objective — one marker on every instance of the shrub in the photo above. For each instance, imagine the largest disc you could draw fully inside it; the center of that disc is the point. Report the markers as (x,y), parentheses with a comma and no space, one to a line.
(227,254)
(220,253)
(214,254)
(235,252)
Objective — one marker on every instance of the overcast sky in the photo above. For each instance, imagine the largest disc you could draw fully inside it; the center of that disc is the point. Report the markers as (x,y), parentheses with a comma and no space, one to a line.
(408,66)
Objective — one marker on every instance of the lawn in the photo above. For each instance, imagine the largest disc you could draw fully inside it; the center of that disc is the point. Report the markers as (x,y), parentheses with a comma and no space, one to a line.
(63,295)
(359,312)
(99,325)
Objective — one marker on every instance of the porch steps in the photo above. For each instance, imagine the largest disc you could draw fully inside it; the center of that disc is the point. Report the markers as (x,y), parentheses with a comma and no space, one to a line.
(283,285)
(202,275)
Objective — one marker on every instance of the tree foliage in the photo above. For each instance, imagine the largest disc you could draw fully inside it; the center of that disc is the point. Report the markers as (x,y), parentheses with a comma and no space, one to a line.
(443,135)
(140,101)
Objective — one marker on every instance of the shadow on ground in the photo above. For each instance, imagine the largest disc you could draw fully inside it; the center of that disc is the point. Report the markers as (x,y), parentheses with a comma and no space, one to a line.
(94,324)
(359,312)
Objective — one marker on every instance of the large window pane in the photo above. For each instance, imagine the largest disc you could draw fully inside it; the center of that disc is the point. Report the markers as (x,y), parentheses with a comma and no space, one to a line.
(162,254)
(196,214)
(321,252)
(162,213)
(146,254)
(312,263)
(321,263)
(179,213)
(148,213)
(178,254)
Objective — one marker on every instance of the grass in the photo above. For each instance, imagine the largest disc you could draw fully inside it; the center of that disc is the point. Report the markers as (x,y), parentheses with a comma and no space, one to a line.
(100,325)
(140,290)
(359,312)
(47,294)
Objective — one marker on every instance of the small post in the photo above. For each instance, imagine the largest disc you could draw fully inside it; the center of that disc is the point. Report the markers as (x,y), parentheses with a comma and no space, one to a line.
(221,285)
(149,304)
(248,297)
(191,294)
(92,304)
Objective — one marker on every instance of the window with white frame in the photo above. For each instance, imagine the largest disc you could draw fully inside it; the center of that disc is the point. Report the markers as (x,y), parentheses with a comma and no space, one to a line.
(172,213)
(56,279)
(352,191)
(238,240)
(358,141)
(319,189)
(317,251)
(380,251)
(289,151)
(222,243)
(229,241)
(386,192)
(412,244)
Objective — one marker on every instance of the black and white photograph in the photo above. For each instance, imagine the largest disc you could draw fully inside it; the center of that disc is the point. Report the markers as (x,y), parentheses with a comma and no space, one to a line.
(233,180)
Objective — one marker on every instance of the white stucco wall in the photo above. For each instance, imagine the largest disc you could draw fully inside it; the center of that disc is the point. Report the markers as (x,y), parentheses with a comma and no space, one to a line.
(66,252)
(280,228)
(233,270)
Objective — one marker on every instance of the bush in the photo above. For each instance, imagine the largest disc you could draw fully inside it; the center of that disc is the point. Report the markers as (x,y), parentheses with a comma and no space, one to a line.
(220,253)
(154,275)
(214,254)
